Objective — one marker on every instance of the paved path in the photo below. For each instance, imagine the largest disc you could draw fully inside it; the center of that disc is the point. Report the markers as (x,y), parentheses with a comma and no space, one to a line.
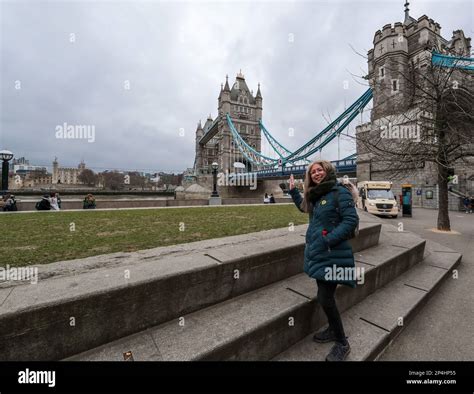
(443,330)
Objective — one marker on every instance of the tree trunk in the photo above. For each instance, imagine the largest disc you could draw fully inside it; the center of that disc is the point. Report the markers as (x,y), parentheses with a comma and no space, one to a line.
(443,201)
(443,212)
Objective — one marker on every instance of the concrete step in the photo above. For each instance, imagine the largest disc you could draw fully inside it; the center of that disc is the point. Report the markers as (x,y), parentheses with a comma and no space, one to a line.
(372,324)
(139,290)
(262,323)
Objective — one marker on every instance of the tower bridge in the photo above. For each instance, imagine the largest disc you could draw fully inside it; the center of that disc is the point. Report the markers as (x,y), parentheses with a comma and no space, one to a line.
(234,138)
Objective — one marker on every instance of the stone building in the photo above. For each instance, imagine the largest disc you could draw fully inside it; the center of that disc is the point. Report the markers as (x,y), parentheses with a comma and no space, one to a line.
(214,142)
(67,175)
(400,53)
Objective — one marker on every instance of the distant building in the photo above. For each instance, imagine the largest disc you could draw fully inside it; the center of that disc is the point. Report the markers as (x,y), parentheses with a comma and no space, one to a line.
(66,175)
(26,168)
(21,160)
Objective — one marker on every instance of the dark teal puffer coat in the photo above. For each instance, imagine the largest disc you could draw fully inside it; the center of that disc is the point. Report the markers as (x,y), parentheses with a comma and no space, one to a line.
(323,252)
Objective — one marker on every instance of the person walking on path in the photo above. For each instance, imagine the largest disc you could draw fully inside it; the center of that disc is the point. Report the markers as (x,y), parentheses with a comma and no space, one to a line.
(467,204)
(332,221)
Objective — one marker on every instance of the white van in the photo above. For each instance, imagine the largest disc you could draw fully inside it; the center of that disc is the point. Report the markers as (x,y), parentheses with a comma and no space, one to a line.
(376,197)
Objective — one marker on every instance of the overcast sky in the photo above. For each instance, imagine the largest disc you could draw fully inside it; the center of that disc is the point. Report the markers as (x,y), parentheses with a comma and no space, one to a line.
(69,61)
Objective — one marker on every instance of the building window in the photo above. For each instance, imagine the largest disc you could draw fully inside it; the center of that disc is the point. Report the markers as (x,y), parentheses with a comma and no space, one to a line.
(395,85)
(382,72)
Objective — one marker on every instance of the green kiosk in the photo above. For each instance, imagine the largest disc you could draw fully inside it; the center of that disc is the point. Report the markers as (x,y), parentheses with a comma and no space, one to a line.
(407,199)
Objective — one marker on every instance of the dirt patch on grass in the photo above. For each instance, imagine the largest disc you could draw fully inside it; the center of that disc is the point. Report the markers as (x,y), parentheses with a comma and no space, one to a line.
(101,249)
(111,233)
(27,247)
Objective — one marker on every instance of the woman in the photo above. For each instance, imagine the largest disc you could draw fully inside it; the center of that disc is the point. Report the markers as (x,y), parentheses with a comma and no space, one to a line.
(89,202)
(331,224)
(54,202)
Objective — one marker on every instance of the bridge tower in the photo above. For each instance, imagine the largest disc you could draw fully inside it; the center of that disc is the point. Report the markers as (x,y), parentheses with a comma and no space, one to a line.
(400,53)
(245,110)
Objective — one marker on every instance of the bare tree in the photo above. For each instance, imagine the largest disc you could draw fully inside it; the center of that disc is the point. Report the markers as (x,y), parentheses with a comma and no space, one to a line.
(422,119)
(113,180)
(88,177)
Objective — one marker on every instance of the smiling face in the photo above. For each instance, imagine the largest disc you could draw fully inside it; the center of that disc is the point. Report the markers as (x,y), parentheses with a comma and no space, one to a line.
(317,173)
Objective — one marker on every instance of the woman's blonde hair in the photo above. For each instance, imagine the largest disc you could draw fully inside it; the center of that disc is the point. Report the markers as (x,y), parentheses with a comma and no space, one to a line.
(308,182)
(327,166)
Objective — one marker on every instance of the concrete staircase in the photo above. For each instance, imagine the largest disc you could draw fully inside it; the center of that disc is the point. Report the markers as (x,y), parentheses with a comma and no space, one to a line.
(234,298)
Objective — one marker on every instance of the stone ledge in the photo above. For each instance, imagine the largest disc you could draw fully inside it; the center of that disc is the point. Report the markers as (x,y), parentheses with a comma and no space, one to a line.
(164,283)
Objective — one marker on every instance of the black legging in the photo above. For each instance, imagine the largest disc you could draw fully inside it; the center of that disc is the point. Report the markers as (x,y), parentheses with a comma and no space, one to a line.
(327,301)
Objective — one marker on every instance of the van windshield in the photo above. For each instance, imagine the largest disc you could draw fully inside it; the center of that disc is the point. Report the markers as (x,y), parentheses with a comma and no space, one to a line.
(380,193)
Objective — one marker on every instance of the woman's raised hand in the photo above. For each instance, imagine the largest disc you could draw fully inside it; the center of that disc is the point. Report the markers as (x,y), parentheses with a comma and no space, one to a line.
(292,182)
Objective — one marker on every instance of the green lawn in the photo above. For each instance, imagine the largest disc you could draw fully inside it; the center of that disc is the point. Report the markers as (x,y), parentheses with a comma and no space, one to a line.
(45,237)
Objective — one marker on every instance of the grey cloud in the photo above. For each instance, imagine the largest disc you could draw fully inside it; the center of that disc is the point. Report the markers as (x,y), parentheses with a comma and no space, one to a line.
(175,55)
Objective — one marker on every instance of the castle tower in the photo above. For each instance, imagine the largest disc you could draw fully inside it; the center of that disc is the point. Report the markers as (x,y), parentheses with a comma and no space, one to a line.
(55,177)
(401,53)
(399,48)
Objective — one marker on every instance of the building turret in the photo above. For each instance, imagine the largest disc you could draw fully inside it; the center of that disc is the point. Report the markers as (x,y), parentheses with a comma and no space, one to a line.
(224,99)
(460,44)
(258,103)
(199,133)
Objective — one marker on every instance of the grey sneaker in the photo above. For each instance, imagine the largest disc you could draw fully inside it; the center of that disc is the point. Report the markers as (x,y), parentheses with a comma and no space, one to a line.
(324,336)
(339,352)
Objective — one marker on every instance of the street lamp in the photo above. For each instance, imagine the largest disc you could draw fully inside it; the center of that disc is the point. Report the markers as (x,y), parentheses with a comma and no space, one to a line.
(5,156)
(214,166)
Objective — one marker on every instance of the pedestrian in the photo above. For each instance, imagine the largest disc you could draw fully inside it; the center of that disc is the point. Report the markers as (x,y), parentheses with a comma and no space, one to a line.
(89,202)
(331,224)
(54,202)
(10,203)
(59,200)
(467,204)
(272,199)
(44,204)
(266,199)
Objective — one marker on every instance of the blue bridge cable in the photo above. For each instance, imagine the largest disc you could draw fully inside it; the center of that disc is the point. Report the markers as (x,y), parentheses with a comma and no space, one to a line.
(277,147)
(465,63)
(241,141)
(273,141)
(307,151)
(340,128)
(350,113)
(364,99)
(354,107)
